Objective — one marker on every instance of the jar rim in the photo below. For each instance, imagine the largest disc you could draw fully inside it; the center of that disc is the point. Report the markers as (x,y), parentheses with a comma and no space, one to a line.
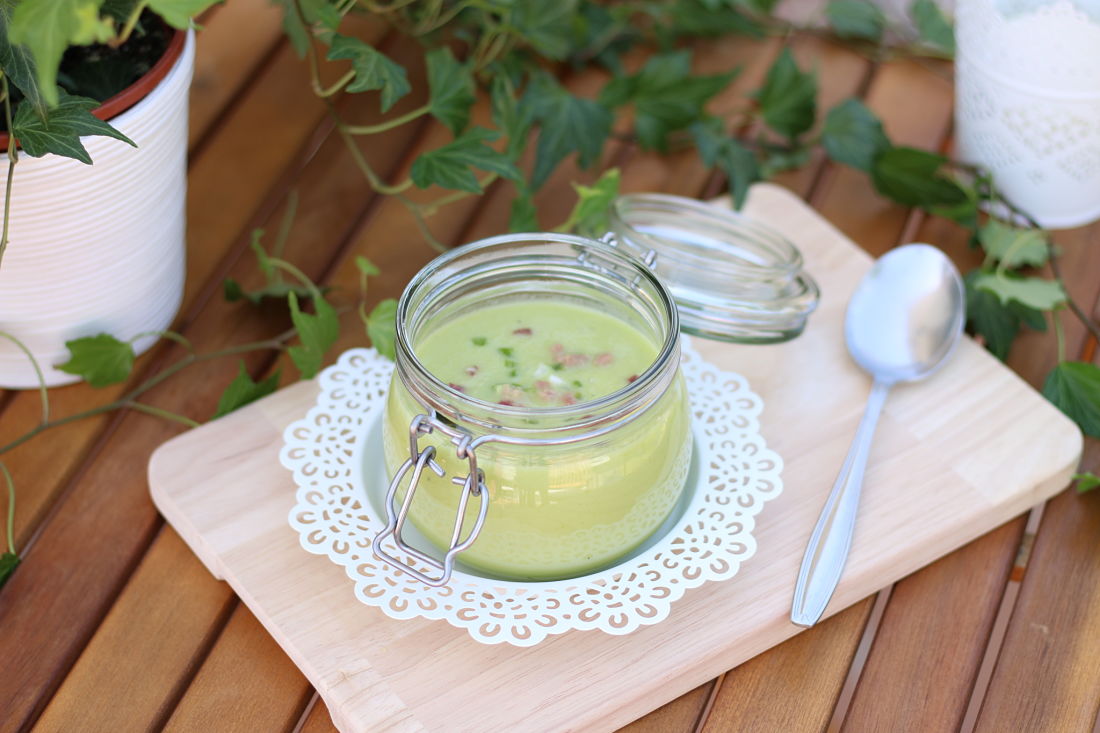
(607,408)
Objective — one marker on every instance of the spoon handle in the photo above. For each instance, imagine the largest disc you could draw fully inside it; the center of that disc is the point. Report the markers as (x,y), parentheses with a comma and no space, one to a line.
(832,536)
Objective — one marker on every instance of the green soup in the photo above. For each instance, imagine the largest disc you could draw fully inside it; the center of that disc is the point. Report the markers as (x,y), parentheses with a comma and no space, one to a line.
(555,511)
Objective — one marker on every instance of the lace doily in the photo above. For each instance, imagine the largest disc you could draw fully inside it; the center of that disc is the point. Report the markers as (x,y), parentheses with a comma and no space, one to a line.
(334,455)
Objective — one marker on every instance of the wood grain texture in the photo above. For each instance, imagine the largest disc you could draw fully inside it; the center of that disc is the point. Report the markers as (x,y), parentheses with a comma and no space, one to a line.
(932,457)
(230,693)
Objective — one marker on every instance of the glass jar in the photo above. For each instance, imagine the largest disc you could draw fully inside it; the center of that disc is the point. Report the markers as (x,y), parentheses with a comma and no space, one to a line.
(733,278)
(534,493)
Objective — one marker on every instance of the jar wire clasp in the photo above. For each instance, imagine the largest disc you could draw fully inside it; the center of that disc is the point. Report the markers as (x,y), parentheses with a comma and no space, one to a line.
(473,485)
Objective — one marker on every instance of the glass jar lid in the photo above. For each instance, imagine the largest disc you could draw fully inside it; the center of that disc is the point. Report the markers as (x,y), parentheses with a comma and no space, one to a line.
(732,278)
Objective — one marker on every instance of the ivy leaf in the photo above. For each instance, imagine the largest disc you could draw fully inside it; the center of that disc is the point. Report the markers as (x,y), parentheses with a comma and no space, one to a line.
(567,124)
(547,26)
(990,318)
(1013,247)
(47,27)
(276,290)
(449,166)
(591,213)
(382,327)
(243,390)
(911,177)
(366,267)
(853,135)
(1074,388)
(60,130)
(666,96)
(99,360)
(1033,292)
(512,119)
(857,19)
(373,70)
(178,13)
(524,216)
(779,159)
(1086,481)
(706,19)
(933,26)
(18,64)
(9,561)
(451,85)
(316,333)
(717,149)
(788,99)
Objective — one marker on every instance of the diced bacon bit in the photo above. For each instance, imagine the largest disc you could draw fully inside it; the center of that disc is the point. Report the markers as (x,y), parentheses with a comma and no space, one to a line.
(571,360)
(511,394)
(568,399)
(471,370)
(456,387)
(522,332)
(632,377)
(557,350)
(604,359)
(544,390)
(507,403)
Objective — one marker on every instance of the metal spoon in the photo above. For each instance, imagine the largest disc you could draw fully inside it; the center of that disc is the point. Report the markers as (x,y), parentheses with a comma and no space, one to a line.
(903,321)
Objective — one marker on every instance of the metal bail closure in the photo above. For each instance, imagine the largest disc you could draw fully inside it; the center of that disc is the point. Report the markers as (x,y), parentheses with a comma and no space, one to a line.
(473,484)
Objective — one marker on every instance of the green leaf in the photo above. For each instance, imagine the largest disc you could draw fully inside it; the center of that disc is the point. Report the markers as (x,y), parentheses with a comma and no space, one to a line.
(1074,388)
(243,390)
(382,327)
(451,85)
(449,166)
(858,19)
(705,19)
(316,333)
(294,28)
(524,216)
(593,208)
(373,70)
(547,26)
(18,64)
(47,27)
(853,135)
(911,177)
(275,290)
(178,13)
(788,99)
(567,124)
(99,360)
(777,160)
(666,96)
(1086,481)
(1033,292)
(365,266)
(933,26)
(717,149)
(9,561)
(1014,247)
(990,318)
(60,130)
(513,120)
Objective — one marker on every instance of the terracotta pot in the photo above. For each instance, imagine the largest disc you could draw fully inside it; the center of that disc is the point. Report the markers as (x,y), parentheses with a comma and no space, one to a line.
(100,248)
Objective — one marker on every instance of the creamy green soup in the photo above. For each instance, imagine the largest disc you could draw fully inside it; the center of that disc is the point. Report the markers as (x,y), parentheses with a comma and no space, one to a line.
(555,511)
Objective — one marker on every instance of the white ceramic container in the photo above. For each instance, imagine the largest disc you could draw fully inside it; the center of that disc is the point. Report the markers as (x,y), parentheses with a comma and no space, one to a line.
(1028,102)
(98,248)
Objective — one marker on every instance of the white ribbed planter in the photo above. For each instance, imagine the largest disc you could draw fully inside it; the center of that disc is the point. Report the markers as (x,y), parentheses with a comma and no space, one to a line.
(98,248)
(1027,107)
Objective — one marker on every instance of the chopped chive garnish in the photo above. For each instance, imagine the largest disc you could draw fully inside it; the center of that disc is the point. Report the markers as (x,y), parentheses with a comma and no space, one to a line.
(577,383)
(479,340)
(505,351)
(512,373)
(509,363)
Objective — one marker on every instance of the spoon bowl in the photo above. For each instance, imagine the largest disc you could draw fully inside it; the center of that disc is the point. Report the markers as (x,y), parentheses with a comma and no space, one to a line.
(903,321)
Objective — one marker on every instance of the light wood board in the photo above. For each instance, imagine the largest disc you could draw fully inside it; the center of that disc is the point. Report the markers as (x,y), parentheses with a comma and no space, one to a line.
(953,457)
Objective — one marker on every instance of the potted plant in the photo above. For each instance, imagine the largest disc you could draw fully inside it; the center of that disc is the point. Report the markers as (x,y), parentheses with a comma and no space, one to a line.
(87,249)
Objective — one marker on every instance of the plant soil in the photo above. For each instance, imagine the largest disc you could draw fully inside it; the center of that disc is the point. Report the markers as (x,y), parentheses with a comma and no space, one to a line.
(100,72)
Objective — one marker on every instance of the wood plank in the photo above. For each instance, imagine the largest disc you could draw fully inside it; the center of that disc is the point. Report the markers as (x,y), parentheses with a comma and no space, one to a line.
(227,60)
(679,715)
(164,632)
(262,697)
(334,196)
(794,686)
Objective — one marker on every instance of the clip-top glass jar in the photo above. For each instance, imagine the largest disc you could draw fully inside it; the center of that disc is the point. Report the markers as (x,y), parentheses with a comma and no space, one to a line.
(574,483)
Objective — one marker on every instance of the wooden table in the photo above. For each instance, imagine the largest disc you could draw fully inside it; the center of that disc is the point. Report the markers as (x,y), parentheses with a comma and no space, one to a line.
(111,624)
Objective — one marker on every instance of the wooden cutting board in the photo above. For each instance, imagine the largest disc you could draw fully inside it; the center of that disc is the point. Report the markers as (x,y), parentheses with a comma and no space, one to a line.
(954,457)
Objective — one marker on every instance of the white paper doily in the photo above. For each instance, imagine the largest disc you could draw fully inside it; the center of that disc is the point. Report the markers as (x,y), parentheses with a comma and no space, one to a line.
(334,456)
